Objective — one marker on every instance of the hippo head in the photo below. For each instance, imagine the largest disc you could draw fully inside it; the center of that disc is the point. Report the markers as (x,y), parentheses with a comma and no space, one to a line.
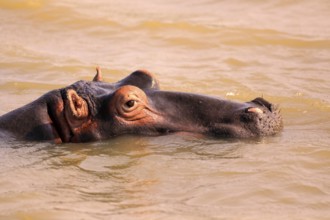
(96,110)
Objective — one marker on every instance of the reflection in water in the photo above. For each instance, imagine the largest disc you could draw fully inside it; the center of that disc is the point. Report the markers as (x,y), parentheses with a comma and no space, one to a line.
(167,175)
(114,175)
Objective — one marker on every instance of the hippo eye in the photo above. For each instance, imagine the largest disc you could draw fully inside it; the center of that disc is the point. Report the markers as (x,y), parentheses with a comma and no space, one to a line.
(130,103)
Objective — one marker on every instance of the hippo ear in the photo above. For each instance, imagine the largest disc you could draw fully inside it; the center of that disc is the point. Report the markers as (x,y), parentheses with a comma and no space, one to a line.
(142,79)
(98,76)
(76,110)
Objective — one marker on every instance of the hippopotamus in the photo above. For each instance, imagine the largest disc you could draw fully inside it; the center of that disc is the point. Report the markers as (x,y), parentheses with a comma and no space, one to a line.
(96,110)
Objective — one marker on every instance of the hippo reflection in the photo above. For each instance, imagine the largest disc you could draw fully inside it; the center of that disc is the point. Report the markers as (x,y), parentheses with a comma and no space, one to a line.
(96,110)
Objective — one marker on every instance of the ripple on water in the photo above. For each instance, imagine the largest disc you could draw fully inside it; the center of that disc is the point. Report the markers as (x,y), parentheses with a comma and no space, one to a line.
(279,50)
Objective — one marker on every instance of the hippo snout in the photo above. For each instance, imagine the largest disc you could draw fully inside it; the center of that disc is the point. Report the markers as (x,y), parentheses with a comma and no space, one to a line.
(263,118)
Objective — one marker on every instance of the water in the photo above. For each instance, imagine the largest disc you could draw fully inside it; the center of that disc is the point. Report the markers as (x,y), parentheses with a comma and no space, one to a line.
(233,49)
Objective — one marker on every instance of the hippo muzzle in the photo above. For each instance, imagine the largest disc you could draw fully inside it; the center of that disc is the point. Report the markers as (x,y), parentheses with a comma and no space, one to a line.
(96,110)
(217,117)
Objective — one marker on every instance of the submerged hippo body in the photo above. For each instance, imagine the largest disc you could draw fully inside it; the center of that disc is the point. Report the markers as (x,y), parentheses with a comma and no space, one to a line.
(96,110)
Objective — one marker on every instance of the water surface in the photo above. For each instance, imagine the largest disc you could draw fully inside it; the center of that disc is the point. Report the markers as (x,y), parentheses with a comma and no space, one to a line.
(233,49)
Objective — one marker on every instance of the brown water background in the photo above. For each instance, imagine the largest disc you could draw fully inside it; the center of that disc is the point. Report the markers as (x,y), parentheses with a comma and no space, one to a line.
(232,49)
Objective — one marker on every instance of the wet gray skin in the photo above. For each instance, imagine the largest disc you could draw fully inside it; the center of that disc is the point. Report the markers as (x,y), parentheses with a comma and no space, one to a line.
(96,110)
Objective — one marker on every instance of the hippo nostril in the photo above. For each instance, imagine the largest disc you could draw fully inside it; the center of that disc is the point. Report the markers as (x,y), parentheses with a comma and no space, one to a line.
(254,110)
(263,102)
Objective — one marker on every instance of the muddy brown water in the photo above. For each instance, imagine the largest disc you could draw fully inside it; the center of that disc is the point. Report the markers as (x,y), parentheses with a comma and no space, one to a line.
(233,49)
